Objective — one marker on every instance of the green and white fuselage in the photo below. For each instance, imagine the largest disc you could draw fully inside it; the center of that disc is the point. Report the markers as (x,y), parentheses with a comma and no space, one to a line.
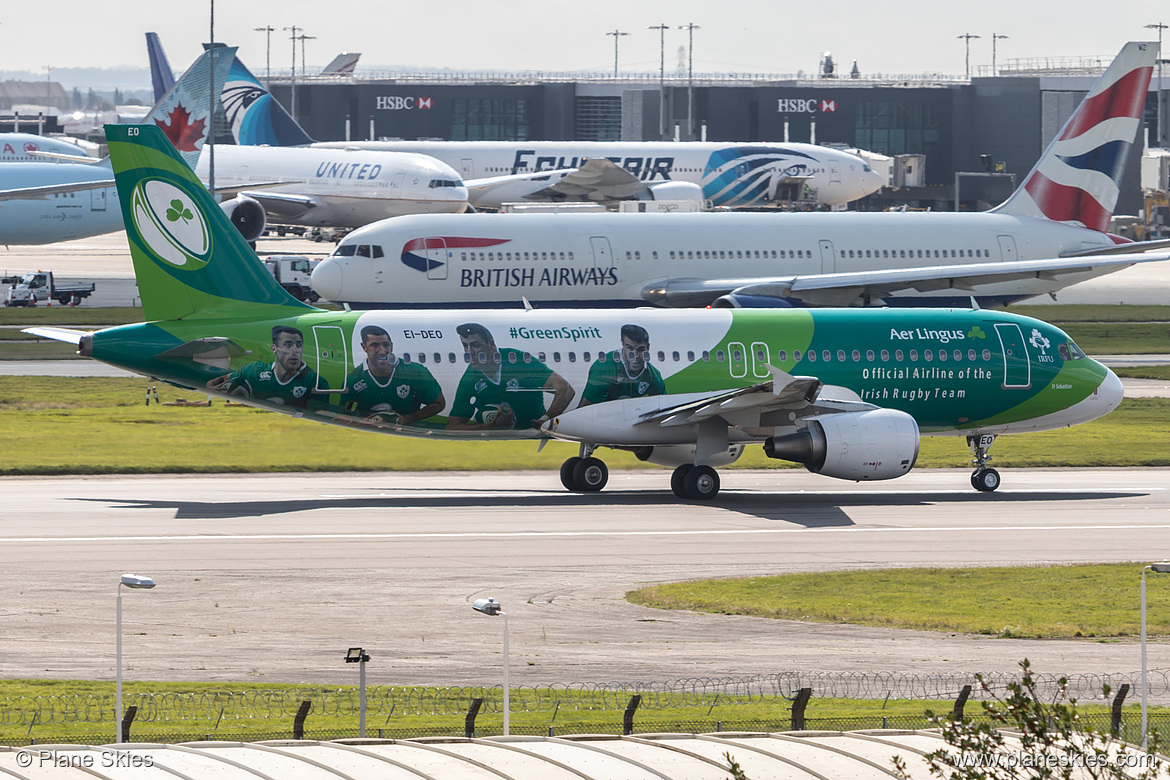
(847,392)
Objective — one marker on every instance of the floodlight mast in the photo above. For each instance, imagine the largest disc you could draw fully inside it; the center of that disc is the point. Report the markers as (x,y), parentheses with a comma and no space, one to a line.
(137,582)
(356,655)
(490,606)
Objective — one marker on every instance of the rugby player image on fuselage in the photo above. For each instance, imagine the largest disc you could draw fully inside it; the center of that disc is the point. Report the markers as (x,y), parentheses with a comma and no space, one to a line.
(626,373)
(286,381)
(388,390)
(503,389)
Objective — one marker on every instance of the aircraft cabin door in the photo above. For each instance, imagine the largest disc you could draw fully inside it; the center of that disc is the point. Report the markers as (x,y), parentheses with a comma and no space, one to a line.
(97,199)
(332,359)
(435,251)
(467,168)
(1017,368)
(834,171)
(828,256)
(396,185)
(1007,249)
(602,253)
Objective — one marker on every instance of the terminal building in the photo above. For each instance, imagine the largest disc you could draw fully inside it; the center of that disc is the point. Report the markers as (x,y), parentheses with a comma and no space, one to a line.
(982,133)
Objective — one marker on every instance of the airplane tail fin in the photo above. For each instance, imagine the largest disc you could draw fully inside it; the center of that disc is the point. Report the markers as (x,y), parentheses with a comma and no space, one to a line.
(343,64)
(161,75)
(188,258)
(1078,177)
(255,117)
(183,113)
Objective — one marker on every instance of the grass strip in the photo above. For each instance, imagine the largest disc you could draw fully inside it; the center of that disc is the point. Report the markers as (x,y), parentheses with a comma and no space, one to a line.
(79,425)
(1094,600)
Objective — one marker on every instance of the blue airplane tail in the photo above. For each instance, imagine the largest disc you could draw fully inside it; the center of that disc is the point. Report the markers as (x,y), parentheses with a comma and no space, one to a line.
(161,75)
(256,118)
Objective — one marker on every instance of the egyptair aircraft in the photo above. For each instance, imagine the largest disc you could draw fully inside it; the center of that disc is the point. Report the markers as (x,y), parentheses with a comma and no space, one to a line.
(1050,233)
(847,393)
(757,175)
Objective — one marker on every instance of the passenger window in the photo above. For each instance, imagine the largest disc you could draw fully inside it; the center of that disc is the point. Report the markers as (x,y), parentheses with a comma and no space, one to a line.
(706,356)
(928,354)
(856,356)
(720,356)
(869,355)
(512,357)
(898,355)
(971,355)
(556,357)
(542,357)
(527,357)
(450,357)
(586,356)
(811,355)
(674,356)
(886,356)
(438,357)
(572,357)
(782,355)
(987,354)
(690,356)
(405,357)
(661,356)
(958,354)
(913,355)
(827,355)
(841,355)
(796,355)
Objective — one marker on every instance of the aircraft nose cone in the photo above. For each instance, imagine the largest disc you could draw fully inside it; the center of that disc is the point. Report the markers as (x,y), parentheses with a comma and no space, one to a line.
(1111,392)
(327,278)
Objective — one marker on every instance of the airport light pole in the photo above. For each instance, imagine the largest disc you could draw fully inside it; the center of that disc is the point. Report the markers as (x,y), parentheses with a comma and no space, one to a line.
(212,99)
(267,50)
(1157,568)
(616,35)
(141,583)
(492,607)
(690,28)
(662,28)
(968,37)
(994,38)
(356,655)
(293,85)
(302,38)
(1159,27)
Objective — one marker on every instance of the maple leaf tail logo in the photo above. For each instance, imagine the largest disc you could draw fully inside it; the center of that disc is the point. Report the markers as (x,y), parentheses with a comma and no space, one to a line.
(182,132)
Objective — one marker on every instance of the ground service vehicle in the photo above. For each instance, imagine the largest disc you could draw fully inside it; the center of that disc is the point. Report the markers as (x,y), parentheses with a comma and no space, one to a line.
(293,273)
(36,286)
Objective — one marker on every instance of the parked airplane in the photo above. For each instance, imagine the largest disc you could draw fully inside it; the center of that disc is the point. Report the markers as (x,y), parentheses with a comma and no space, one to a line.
(22,147)
(1049,234)
(845,392)
(43,204)
(497,172)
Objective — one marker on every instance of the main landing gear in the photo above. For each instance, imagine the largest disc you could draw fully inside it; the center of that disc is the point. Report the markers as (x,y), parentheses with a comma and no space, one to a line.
(587,474)
(584,474)
(984,479)
(700,483)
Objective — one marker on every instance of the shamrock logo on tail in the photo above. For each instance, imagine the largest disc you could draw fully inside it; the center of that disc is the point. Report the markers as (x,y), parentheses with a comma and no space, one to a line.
(178,211)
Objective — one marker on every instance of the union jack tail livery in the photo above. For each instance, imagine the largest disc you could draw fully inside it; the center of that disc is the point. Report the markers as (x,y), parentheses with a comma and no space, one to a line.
(1078,177)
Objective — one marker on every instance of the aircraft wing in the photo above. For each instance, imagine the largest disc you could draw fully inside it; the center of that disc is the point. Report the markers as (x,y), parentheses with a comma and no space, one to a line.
(1122,249)
(34,193)
(782,391)
(598,179)
(863,288)
(74,158)
(283,204)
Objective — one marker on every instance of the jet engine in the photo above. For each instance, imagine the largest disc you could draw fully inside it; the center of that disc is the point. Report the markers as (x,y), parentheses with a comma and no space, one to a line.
(676,190)
(861,446)
(734,300)
(247,215)
(677,454)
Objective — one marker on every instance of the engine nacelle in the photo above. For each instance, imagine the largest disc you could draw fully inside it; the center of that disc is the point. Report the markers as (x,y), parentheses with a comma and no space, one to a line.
(676,190)
(860,446)
(741,301)
(247,215)
(677,454)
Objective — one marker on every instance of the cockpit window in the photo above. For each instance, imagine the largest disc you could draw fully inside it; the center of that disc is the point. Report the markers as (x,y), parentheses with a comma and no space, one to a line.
(363,250)
(1077,352)
(345,250)
(437,183)
(1063,350)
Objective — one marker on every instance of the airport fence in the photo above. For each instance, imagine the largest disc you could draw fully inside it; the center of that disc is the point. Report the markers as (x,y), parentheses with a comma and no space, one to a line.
(597,707)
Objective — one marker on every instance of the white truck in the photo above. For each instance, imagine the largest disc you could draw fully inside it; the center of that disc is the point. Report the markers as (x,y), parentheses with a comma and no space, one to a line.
(39,286)
(294,272)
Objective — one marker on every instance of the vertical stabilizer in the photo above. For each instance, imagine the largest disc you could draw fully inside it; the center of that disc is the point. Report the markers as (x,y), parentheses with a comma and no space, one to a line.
(162,78)
(189,259)
(1079,175)
(185,113)
(255,117)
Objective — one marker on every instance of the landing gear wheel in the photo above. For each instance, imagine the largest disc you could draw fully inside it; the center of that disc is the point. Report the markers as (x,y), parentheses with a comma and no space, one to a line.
(590,475)
(567,473)
(678,479)
(701,483)
(985,480)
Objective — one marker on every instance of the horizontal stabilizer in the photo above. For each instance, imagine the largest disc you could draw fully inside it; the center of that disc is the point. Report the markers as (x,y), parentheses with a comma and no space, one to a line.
(67,335)
(212,351)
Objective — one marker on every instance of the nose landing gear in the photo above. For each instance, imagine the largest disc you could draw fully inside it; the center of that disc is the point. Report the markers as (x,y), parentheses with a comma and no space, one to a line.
(984,479)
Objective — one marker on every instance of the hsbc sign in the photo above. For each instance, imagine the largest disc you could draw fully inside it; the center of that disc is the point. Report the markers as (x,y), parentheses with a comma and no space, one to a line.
(399,103)
(805,106)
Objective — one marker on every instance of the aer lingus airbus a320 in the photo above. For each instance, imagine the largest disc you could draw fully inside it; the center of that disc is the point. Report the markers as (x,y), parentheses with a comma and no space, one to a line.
(845,392)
